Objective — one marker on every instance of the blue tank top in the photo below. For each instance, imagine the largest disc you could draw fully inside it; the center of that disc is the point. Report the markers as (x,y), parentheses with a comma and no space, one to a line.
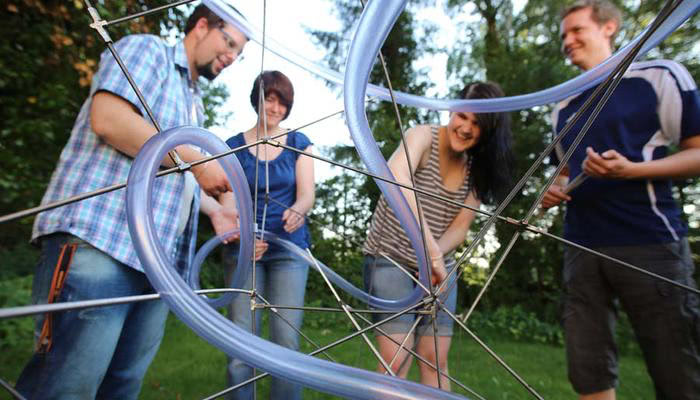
(282,181)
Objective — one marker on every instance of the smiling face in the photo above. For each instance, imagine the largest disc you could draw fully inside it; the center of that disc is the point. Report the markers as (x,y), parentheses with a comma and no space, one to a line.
(275,110)
(585,42)
(217,48)
(463,131)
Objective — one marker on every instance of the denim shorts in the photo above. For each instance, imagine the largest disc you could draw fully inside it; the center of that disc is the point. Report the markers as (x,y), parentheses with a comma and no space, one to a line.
(666,318)
(385,280)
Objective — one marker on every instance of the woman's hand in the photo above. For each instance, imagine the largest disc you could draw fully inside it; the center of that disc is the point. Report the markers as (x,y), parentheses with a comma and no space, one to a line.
(438,271)
(292,220)
(260,249)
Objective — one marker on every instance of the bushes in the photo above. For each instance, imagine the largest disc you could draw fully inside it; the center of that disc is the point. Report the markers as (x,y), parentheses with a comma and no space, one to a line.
(15,292)
(516,323)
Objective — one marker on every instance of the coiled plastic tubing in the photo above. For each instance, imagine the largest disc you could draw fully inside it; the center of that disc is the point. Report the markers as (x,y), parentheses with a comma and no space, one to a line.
(367,33)
(299,253)
(205,321)
(375,24)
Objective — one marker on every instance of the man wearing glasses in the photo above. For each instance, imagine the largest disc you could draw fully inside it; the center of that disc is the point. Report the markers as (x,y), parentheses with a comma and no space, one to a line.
(87,252)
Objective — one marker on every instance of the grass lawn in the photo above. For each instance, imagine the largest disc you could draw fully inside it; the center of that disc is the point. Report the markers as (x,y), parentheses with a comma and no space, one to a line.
(186,367)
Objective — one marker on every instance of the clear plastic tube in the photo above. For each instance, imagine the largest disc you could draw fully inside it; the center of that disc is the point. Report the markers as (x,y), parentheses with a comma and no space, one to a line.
(237,279)
(342,283)
(325,376)
(375,23)
(512,103)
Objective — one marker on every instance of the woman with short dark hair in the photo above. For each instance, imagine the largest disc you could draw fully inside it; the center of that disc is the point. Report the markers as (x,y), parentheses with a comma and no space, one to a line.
(285,194)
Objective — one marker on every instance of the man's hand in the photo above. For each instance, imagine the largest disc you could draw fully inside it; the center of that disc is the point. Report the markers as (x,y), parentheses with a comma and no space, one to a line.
(292,220)
(225,219)
(555,195)
(610,164)
(211,178)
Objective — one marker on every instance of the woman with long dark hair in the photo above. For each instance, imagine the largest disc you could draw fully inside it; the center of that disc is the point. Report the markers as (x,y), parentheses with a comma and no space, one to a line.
(468,161)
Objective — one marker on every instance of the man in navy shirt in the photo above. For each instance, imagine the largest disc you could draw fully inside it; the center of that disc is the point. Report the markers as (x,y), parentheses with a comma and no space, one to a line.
(626,209)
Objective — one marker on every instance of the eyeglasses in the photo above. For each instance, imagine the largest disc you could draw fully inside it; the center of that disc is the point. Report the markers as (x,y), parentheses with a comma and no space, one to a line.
(231,44)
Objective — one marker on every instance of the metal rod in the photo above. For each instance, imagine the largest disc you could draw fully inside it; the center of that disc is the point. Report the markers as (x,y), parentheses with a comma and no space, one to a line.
(345,308)
(335,310)
(286,321)
(423,360)
(13,392)
(494,355)
(326,347)
(23,311)
(147,12)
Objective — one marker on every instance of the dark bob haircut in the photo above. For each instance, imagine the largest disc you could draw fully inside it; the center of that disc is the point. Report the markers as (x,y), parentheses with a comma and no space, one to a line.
(273,81)
(492,157)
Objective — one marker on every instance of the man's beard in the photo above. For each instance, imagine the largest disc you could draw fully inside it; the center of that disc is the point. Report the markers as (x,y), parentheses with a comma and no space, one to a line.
(207,71)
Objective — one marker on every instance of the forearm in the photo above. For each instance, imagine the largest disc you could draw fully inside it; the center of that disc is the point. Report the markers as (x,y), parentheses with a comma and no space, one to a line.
(685,163)
(208,205)
(116,122)
(456,232)
(304,202)
(222,212)
(432,243)
(452,239)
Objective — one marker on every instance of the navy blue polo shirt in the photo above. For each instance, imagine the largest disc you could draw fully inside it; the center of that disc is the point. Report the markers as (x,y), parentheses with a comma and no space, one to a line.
(655,105)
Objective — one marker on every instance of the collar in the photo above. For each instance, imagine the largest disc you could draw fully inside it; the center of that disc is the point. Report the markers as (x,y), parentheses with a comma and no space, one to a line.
(180,60)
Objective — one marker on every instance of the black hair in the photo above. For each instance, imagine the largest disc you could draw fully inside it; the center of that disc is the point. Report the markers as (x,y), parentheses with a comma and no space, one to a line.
(492,157)
(273,81)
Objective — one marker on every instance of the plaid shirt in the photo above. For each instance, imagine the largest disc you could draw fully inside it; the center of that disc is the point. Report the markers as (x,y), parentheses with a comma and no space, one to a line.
(88,163)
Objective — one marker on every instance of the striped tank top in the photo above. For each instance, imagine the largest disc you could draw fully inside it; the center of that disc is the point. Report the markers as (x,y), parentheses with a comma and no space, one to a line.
(387,236)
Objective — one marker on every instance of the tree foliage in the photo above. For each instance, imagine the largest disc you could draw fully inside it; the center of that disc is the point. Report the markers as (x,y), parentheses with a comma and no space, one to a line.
(520,51)
(47,59)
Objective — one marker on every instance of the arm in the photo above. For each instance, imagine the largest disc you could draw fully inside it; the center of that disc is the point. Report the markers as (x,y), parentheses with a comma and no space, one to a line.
(613,165)
(120,125)
(294,216)
(418,141)
(457,231)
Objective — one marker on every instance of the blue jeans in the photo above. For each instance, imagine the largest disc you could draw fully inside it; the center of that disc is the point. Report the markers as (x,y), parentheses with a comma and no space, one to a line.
(280,278)
(100,352)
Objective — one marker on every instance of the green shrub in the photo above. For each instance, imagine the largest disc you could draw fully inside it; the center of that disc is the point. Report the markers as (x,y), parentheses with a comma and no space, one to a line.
(516,323)
(18,260)
(13,293)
